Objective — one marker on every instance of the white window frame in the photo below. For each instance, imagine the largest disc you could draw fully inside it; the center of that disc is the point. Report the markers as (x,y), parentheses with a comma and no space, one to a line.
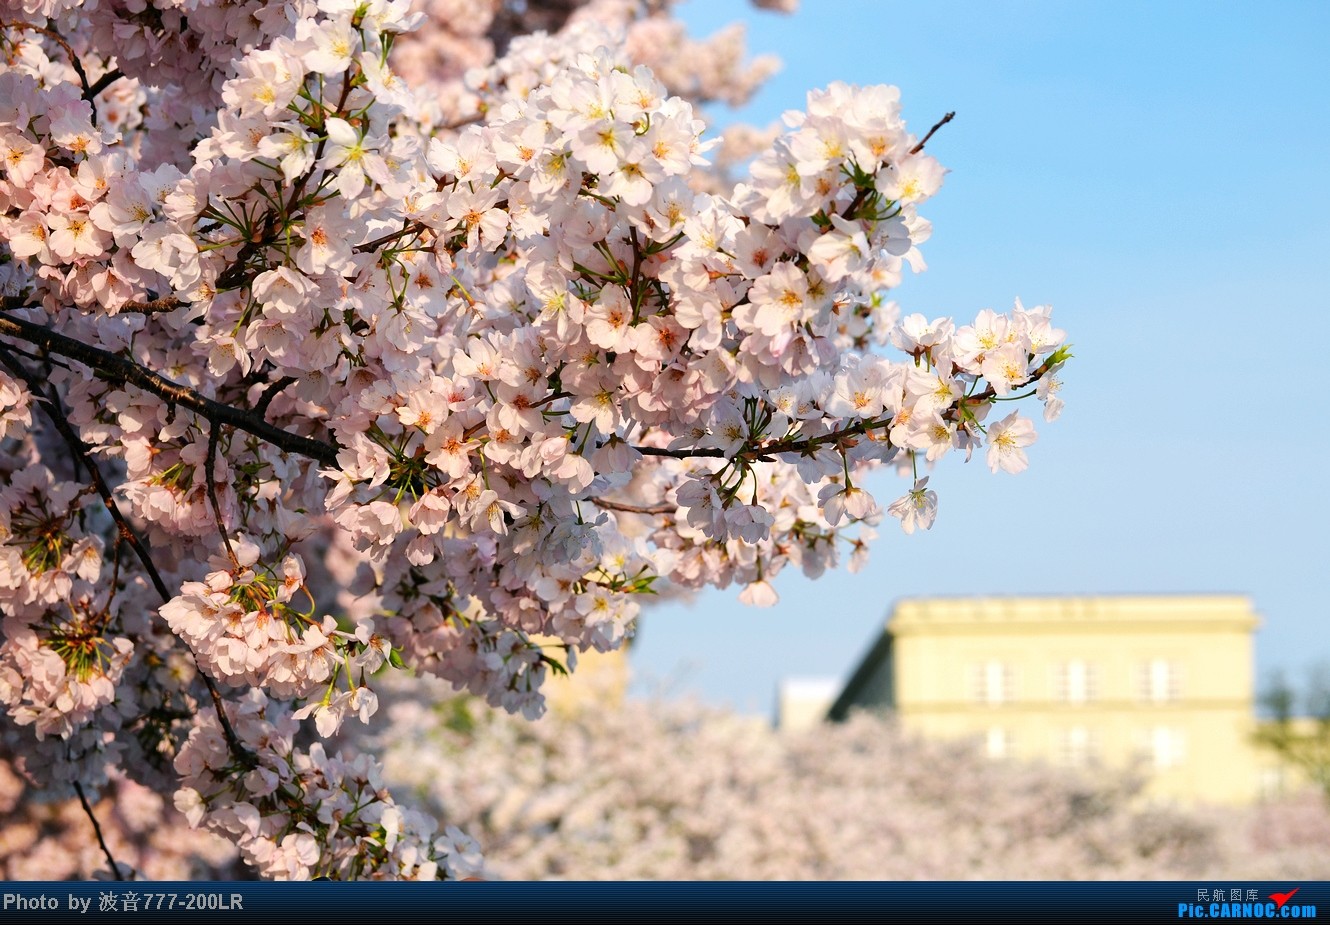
(1076,682)
(1160,681)
(994,683)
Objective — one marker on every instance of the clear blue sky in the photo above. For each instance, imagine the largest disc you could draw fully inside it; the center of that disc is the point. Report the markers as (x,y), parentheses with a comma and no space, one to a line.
(1160,174)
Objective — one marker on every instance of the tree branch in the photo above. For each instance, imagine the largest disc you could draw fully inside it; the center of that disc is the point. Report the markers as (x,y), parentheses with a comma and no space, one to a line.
(59,40)
(116,368)
(90,91)
(368,246)
(76,446)
(102,83)
(96,827)
(271,392)
(303,180)
(474,119)
(608,505)
(807,445)
(940,122)
(211,480)
(710,451)
(153,307)
(80,453)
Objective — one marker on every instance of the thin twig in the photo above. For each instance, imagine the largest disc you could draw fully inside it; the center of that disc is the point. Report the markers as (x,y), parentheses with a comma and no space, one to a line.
(806,446)
(464,121)
(607,504)
(304,178)
(271,392)
(369,246)
(211,480)
(862,196)
(102,83)
(115,572)
(940,122)
(711,451)
(90,91)
(116,368)
(80,453)
(59,40)
(96,827)
(47,359)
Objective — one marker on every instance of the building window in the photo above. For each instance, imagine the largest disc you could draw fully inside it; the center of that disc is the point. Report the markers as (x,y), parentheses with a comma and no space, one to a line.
(997,742)
(993,682)
(1077,746)
(1159,681)
(1166,747)
(1076,682)
(1270,782)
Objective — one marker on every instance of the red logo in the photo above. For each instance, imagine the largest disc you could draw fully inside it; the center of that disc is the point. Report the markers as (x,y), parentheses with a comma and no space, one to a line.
(1281,898)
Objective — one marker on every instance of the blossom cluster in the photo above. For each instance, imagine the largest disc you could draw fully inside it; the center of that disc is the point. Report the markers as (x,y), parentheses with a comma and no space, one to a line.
(308,375)
(297,813)
(457,35)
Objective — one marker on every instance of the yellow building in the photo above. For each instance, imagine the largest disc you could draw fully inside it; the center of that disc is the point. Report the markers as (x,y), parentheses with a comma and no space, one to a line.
(1164,682)
(601,680)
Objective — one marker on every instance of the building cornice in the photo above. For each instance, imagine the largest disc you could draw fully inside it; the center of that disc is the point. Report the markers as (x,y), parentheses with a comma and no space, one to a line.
(1139,613)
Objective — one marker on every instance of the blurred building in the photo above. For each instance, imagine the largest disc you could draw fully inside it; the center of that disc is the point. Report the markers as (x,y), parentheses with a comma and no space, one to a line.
(600,680)
(1161,681)
(804,702)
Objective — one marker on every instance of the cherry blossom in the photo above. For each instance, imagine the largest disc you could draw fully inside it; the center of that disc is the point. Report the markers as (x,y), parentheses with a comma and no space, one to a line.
(341,342)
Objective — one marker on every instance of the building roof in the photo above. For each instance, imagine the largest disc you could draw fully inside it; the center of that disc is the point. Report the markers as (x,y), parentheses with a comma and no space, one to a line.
(1220,612)
(868,666)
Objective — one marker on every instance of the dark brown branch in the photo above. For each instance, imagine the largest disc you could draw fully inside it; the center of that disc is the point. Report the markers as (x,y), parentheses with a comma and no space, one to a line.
(474,119)
(210,479)
(862,195)
(803,445)
(89,90)
(940,122)
(51,406)
(47,359)
(271,392)
(511,20)
(808,445)
(116,368)
(368,246)
(710,451)
(80,453)
(96,828)
(102,83)
(608,505)
(155,307)
(59,40)
(304,178)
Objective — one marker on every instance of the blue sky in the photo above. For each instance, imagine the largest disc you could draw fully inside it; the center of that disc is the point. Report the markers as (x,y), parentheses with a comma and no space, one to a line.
(1160,174)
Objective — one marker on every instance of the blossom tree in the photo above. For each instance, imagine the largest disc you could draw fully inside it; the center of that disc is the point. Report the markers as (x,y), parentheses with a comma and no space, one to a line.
(328,352)
(679,792)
